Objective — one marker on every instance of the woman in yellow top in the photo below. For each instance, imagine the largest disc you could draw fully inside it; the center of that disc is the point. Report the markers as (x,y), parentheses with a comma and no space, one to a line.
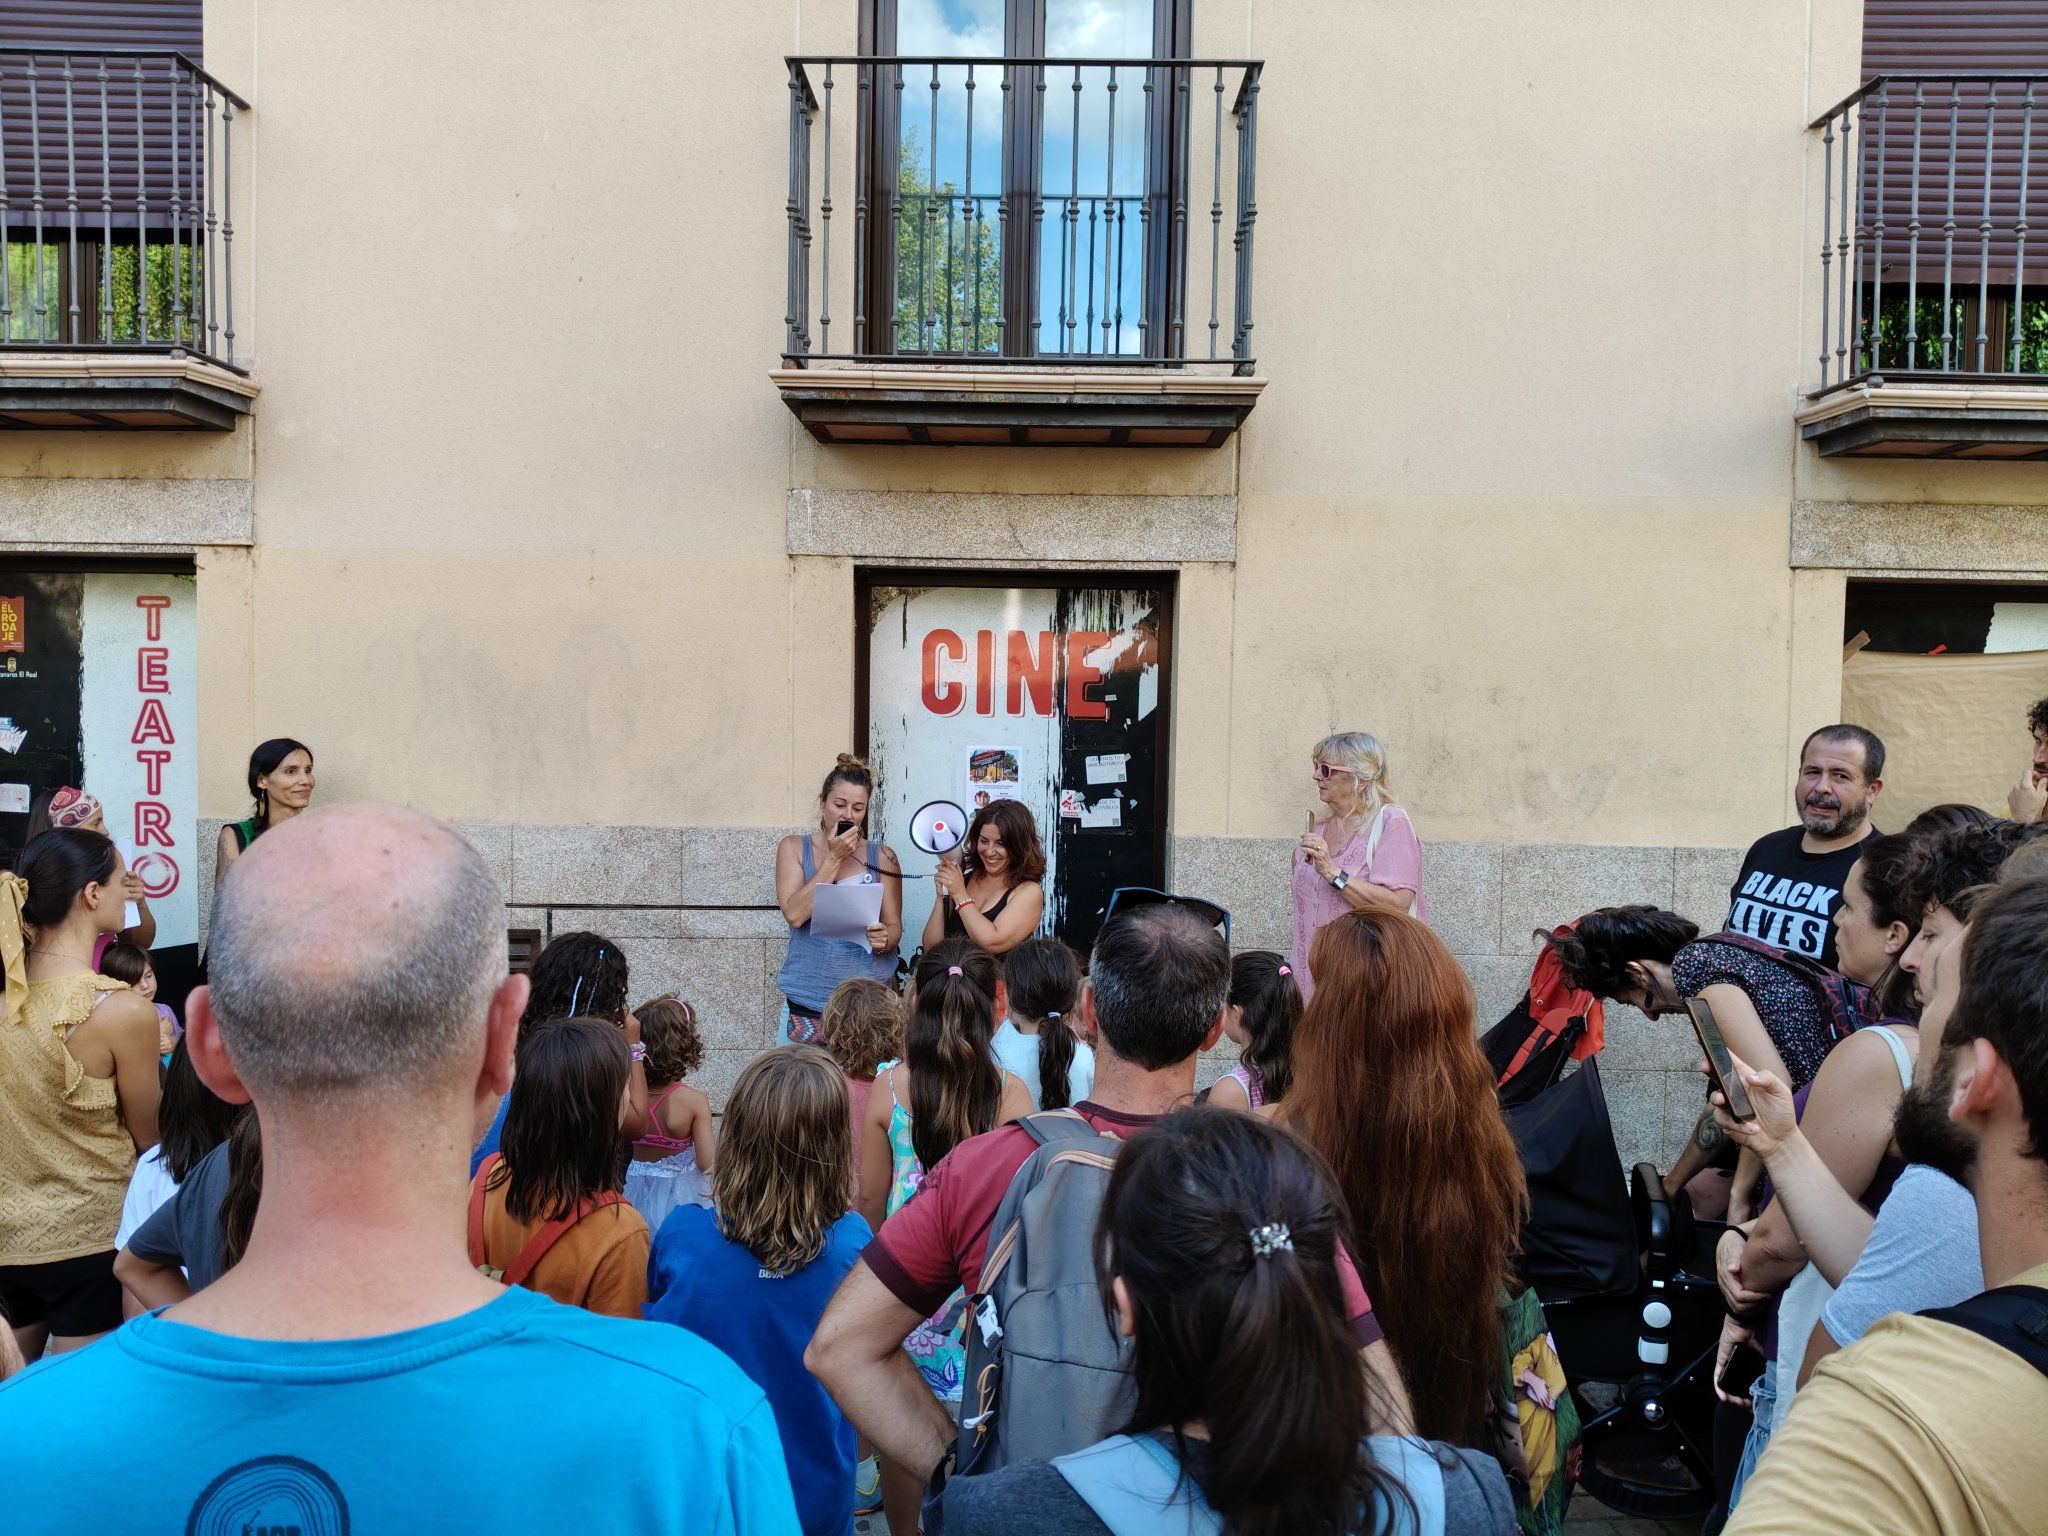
(78,1091)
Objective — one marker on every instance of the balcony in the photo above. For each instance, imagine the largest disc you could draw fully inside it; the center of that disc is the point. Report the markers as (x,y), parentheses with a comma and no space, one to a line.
(1011,250)
(117,205)
(1932,323)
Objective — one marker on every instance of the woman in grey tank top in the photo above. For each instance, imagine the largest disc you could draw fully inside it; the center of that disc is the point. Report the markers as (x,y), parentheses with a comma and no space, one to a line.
(836,852)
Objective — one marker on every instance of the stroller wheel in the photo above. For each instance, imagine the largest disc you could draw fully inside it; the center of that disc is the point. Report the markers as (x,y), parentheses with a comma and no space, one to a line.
(1657,1473)
(1631,1488)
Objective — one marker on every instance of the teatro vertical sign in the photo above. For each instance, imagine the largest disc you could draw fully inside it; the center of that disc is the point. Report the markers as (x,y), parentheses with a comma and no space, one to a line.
(139,727)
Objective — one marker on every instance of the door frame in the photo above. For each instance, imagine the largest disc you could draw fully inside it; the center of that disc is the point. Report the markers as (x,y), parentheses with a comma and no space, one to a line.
(1165,581)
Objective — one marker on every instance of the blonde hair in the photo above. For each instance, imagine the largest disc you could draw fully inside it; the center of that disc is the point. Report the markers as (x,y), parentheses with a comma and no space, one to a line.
(862,1026)
(1361,752)
(784,1171)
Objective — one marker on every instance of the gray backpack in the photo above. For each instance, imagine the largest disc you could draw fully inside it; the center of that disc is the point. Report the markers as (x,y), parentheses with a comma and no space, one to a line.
(1044,1370)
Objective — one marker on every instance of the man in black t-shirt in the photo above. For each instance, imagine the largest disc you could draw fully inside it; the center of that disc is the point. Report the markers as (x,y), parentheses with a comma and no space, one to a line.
(1791,881)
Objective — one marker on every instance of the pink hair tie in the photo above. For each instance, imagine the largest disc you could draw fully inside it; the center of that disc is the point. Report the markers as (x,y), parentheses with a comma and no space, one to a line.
(952,970)
(1286,970)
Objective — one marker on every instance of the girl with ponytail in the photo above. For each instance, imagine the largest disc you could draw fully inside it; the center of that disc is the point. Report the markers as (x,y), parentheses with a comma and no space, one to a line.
(1040,989)
(946,1088)
(1265,1005)
(1216,1254)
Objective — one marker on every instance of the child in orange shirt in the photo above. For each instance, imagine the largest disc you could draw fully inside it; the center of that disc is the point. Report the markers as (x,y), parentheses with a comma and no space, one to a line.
(545,1211)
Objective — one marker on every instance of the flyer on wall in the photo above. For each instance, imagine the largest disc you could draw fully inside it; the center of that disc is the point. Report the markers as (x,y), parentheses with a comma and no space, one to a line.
(993,773)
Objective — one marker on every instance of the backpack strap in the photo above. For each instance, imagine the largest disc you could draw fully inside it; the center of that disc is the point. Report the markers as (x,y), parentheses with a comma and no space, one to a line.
(1046,1126)
(479,1252)
(1136,1488)
(2013,1316)
(538,1245)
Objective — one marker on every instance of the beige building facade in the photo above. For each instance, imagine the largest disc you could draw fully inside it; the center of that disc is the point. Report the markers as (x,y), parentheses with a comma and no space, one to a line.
(517,527)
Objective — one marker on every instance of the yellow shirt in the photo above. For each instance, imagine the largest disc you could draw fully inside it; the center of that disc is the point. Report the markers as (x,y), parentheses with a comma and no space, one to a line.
(1922,1427)
(65,1157)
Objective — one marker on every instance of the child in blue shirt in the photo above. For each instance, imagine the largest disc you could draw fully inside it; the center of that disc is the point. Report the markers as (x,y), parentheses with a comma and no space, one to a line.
(753,1277)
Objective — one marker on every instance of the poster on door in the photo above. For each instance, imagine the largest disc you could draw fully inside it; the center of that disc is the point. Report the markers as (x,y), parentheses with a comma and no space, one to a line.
(1050,696)
(139,730)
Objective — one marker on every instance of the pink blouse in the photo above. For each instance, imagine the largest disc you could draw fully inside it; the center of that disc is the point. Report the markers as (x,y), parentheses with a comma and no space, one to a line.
(1396,863)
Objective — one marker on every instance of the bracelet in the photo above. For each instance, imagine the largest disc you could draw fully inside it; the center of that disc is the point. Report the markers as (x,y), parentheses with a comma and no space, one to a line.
(963,901)
(639,1050)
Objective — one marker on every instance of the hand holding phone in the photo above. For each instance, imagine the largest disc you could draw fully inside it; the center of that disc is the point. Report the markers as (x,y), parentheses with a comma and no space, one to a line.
(844,828)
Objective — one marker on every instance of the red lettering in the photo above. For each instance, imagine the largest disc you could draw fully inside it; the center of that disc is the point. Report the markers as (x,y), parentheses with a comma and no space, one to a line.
(984,673)
(152,669)
(1081,676)
(1027,671)
(942,698)
(153,760)
(152,724)
(153,605)
(153,824)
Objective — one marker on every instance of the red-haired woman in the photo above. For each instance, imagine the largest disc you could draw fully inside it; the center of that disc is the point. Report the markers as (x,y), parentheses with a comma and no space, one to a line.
(1389,1084)
(995,895)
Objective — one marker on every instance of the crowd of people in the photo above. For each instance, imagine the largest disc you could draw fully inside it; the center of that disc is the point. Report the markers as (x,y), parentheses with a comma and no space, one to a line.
(379,1235)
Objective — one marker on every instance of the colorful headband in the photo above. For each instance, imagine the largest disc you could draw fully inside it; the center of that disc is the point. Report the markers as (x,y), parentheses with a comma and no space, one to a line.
(72,808)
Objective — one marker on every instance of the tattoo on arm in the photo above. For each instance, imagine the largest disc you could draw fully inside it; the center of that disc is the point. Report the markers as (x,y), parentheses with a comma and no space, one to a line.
(1708,1135)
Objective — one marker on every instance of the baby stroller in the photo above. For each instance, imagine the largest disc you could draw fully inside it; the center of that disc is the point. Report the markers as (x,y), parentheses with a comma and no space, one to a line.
(1624,1272)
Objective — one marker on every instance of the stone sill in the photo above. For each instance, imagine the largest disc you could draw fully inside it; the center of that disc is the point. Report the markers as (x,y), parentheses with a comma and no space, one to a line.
(1881,419)
(1196,406)
(119,391)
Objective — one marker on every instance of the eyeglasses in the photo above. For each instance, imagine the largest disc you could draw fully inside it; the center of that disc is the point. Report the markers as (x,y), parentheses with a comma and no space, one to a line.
(1128,898)
(1324,770)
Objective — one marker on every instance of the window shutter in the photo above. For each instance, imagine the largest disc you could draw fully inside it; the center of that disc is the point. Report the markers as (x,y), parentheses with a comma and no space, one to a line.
(27,25)
(1960,36)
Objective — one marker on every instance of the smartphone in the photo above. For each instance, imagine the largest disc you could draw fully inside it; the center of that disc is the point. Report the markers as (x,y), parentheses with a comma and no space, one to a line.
(844,828)
(1719,1063)
(1745,1366)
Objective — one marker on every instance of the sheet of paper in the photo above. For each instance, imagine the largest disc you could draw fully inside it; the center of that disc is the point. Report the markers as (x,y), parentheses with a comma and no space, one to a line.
(1104,813)
(846,911)
(1072,804)
(13,799)
(11,735)
(1109,768)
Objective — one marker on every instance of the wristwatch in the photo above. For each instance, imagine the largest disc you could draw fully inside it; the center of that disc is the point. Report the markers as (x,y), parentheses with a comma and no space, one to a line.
(1339,880)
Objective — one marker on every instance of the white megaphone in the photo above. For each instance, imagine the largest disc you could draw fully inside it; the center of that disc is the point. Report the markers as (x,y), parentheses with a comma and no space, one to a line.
(938,828)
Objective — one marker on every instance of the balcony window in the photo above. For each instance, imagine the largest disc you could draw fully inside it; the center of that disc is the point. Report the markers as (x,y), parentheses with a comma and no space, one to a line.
(1021,223)
(117,228)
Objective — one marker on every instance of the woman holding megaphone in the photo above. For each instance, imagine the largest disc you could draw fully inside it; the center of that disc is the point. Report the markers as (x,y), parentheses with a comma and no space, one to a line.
(836,852)
(993,895)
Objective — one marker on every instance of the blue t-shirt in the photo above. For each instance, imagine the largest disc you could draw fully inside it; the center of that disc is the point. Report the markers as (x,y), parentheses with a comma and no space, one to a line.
(492,1137)
(717,1289)
(522,1416)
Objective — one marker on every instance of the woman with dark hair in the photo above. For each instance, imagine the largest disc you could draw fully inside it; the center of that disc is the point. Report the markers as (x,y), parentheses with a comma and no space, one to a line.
(1265,1010)
(579,975)
(547,1213)
(67,806)
(946,1088)
(281,784)
(995,894)
(78,1091)
(1390,1085)
(1040,987)
(201,1232)
(1216,1254)
(191,1121)
(836,852)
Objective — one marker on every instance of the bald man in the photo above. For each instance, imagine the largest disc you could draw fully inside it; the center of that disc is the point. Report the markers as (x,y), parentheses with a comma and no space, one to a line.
(354,1372)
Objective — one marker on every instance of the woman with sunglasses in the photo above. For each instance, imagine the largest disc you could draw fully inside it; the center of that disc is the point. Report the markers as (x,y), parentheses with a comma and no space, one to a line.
(1362,856)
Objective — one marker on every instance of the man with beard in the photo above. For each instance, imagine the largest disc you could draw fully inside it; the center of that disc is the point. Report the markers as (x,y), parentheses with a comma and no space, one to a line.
(1792,880)
(1932,1423)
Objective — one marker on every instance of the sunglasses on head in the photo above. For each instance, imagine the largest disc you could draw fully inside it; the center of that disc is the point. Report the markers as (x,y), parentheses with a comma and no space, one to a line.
(1128,898)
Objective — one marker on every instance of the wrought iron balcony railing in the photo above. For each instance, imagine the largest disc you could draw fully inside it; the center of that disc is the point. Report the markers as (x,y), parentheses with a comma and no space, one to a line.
(117,203)
(1021,211)
(1934,232)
